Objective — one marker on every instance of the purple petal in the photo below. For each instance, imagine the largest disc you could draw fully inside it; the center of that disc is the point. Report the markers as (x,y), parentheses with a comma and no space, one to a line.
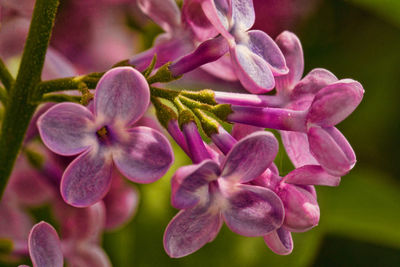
(45,246)
(218,12)
(298,149)
(88,255)
(301,208)
(122,95)
(291,48)
(67,129)
(18,223)
(198,151)
(332,150)
(146,158)
(193,15)
(243,15)
(163,12)
(190,183)
(191,229)
(264,46)
(314,81)
(253,71)
(250,157)
(87,179)
(280,241)
(252,210)
(221,68)
(85,224)
(239,130)
(311,175)
(121,203)
(335,102)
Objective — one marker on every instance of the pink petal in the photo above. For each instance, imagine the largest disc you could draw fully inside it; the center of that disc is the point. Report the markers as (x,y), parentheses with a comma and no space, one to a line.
(253,71)
(252,210)
(87,255)
(314,81)
(332,150)
(280,241)
(301,208)
(163,12)
(146,158)
(87,179)
(311,175)
(221,68)
(45,246)
(218,12)
(291,48)
(122,95)
(297,147)
(335,102)
(264,46)
(57,66)
(193,15)
(250,157)
(190,183)
(66,129)
(121,203)
(243,15)
(239,130)
(84,224)
(191,229)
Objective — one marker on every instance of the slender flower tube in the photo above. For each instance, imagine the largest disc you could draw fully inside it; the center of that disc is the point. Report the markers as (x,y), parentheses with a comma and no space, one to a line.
(209,194)
(197,149)
(223,140)
(105,138)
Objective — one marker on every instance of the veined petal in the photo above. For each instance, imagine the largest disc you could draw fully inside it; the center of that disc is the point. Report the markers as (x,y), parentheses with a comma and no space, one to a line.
(264,46)
(314,81)
(252,210)
(121,203)
(240,130)
(191,229)
(253,71)
(45,246)
(311,175)
(87,179)
(291,48)
(332,150)
(219,14)
(298,149)
(146,157)
(243,15)
(190,183)
(86,254)
(66,129)
(301,208)
(193,15)
(163,12)
(250,157)
(221,68)
(122,94)
(335,102)
(280,241)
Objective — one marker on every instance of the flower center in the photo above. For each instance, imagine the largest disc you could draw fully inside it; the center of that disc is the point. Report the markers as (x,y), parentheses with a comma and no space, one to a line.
(103,134)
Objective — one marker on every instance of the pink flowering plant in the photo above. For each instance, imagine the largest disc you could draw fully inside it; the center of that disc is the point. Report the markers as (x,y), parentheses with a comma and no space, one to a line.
(69,140)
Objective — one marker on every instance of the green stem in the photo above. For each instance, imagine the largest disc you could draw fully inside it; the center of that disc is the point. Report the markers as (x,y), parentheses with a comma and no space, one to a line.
(58,98)
(69,83)
(3,96)
(23,96)
(5,76)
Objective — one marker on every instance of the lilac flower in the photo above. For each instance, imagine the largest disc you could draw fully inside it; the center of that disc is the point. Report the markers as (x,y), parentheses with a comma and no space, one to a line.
(209,194)
(105,138)
(331,105)
(255,56)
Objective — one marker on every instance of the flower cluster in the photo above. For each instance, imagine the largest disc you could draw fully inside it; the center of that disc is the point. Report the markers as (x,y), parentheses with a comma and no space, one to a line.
(233,178)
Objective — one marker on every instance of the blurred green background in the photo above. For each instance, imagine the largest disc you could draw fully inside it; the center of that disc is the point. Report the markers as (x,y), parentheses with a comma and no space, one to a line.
(360,219)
